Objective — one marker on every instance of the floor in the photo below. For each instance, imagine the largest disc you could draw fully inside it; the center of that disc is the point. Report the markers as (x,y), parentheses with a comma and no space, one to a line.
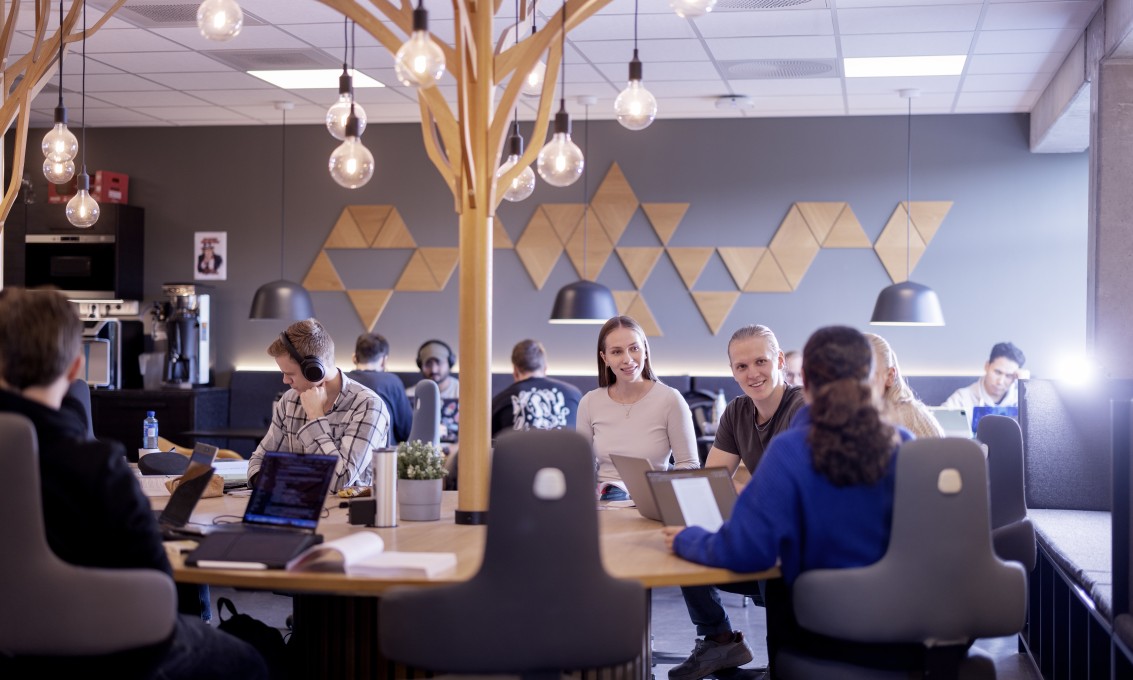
(673,633)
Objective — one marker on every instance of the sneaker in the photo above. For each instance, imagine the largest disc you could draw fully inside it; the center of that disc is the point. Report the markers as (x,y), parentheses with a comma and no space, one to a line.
(708,657)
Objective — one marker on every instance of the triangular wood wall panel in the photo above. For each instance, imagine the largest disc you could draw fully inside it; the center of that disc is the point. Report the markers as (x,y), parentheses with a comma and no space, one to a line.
(441,262)
(820,216)
(847,232)
(794,246)
(500,239)
(741,262)
(899,247)
(614,202)
(369,305)
(394,233)
(564,218)
(417,276)
(665,218)
(369,219)
(322,275)
(690,263)
(639,262)
(539,248)
(346,233)
(599,247)
(641,313)
(768,277)
(927,217)
(715,307)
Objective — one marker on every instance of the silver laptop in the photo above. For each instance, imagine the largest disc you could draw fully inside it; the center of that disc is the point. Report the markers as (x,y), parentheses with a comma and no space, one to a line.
(632,471)
(955,421)
(698,497)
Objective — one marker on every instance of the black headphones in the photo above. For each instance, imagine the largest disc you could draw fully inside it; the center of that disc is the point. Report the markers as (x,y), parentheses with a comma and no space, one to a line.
(442,343)
(311,366)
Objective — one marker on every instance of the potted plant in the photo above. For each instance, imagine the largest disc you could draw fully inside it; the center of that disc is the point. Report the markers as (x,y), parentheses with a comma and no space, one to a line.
(420,477)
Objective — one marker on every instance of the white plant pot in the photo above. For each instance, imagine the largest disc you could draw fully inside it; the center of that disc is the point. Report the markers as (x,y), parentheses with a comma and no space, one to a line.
(419,499)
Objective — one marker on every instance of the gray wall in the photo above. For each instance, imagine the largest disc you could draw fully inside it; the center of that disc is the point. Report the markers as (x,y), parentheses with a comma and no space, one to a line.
(1009,259)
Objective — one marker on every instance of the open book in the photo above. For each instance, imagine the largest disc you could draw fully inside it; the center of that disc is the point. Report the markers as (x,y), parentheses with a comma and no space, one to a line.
(363,553)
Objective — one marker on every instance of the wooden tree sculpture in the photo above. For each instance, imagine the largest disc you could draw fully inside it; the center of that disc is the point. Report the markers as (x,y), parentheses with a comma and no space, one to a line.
(464,143)
(26,76)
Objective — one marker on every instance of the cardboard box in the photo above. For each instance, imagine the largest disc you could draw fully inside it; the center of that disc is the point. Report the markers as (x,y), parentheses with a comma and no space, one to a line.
(105,187)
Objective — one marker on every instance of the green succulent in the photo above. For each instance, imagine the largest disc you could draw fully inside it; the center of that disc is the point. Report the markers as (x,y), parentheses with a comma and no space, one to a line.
(420,460)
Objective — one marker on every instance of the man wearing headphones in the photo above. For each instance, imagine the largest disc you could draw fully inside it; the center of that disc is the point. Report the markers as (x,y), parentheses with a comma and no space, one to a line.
(435,359)
(324,411)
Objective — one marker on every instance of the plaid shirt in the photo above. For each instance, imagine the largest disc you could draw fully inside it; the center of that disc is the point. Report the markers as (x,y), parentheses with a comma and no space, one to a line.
(356,425)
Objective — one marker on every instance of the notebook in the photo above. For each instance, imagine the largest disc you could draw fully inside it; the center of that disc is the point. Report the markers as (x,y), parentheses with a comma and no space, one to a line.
(954,421)
(280,519)
(632,471)
(700,497)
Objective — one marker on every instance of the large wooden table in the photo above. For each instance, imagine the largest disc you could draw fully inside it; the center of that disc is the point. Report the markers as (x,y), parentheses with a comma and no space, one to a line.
(336,614)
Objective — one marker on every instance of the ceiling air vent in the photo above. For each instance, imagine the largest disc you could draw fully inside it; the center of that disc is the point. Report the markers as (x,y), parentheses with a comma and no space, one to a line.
(162,13)
(778,69)
(772,4)
(273,60)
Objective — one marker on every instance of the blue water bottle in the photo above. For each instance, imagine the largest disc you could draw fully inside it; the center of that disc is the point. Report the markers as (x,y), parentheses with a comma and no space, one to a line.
(149,431)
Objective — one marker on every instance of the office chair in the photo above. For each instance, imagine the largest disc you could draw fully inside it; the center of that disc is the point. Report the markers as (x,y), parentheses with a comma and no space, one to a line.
(426,413)
(56,613)
(938,587)
(542,603)
(78,401)
(1012,532)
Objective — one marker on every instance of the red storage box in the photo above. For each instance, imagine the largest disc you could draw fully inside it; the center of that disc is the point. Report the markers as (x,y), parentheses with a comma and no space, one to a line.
(105,187)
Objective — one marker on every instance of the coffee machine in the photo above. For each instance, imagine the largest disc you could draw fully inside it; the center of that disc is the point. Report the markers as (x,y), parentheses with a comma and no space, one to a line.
(185,319)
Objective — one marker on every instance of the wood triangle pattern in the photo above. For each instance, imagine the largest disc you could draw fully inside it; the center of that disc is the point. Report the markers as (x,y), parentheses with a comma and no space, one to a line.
(369,219)
(345,233)
(690,263)
(539,248)
(794,246)
(598,249)
(614,202)
(417,276)
(641,313)
(500,239)
(393,233)
(564,217)
(665,218)
(639,262)
(715,307)
(927,217)
(322,275)
(624,300)
(369,305)
(891,246)
(441,263)
(768,277)
(847,232)
(741,262)
(820,216)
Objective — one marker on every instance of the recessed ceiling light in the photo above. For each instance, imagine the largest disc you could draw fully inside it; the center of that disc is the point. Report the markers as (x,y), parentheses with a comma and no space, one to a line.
(880,67)
(313,79)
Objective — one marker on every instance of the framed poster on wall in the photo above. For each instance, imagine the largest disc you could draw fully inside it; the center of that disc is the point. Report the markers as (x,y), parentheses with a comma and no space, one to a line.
(211,255)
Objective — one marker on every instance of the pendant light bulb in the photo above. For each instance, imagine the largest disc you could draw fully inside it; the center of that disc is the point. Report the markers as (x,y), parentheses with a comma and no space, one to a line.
(524,184)
(533,82)
(340,110)
(419,62)
(690,9)
(635,106)
(82,209)
(560,161)
(58,173)
(60,144)
(351,164)
(220,19)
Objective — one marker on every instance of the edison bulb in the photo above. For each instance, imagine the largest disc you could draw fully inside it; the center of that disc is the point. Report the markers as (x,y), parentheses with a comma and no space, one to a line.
(533,82)
(58,173)
(635,106)
(522,186)
(220,19)
(59,144)
(82,209)
(690,9)
(560,161)
(419,62)
(351,164)
(340,111)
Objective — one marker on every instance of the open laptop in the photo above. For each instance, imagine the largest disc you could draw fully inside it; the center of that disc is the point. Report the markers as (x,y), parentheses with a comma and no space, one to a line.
(632,471)
(955,421)
(699,497)
(280,519)
(173,519)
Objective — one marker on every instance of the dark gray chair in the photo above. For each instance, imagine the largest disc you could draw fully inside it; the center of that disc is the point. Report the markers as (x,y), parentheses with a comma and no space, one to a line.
(940,585)
(426,413)
(78,401)
(53,609)
(542,603)
(1012,532)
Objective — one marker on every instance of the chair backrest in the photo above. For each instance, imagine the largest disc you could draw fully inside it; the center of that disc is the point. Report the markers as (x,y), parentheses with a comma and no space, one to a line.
(426,413)
(531,606)
(1013,535)
(79,392)
(52,608)
(939,582)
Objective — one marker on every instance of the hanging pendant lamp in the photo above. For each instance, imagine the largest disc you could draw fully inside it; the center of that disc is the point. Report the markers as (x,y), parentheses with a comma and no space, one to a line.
(908,303)
(584,301)
(282,299)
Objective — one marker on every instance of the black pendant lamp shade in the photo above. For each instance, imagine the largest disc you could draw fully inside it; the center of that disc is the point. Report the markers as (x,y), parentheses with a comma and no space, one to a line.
(907,304)
(285,300)
(583,302)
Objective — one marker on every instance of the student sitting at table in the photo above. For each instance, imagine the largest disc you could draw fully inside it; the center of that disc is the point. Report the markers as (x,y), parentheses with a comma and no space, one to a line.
(94,512)
(899,405)
(324,411)
(749,422)
(632,413)
(822,497)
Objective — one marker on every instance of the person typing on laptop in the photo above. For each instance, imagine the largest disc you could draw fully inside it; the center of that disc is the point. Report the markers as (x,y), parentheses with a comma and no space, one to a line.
(94,512)
(325,411)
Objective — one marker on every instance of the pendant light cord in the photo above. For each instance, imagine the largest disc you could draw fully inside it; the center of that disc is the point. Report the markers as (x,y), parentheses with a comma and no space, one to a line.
(517,22)
(562,99)
(909,196)
(585,196)
(282,191)
(83,112)
(345,41)
(61,53)
(635,28)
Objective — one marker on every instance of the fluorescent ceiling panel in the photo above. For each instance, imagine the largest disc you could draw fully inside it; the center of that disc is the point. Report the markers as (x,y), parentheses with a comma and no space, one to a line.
(313,79)
(884,67)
